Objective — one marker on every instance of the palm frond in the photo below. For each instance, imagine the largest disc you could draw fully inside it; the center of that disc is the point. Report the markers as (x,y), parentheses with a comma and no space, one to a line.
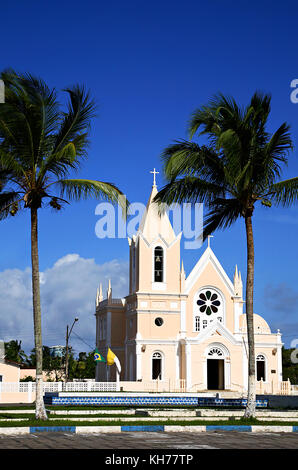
(223,213)
(285,192)
(9,203)
(77,189)
(190,190)
(185,158)
(81,108)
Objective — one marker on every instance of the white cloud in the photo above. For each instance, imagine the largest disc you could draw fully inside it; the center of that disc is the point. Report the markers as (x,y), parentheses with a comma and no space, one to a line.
(68,290)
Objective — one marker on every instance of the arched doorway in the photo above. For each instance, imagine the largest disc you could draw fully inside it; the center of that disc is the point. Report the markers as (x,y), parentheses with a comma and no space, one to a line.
(217,368)
(261,367)
(157,366)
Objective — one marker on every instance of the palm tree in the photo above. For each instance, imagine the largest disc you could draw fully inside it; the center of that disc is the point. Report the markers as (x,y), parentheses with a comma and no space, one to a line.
(14,352)
(40,145)
(239,166)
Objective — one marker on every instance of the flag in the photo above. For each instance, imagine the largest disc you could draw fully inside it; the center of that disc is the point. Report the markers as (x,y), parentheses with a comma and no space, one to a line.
(112,358)
(98,357)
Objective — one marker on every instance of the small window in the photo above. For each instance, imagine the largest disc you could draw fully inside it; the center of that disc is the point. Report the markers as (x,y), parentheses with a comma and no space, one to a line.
(158,264)
(158,321)
(197,323)
(204,323)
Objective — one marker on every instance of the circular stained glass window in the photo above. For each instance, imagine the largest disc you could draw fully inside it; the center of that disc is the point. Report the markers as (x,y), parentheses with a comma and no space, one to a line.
(208,302)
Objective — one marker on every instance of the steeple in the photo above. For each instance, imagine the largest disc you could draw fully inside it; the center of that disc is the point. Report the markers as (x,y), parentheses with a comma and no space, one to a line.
(154,251)
(155,223)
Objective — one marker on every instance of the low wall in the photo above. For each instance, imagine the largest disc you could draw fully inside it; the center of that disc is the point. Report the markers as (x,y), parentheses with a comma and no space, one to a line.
(280,401)
(17,397)
(154,386)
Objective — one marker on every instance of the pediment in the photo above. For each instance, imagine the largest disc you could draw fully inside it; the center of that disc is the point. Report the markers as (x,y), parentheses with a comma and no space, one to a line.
(215,329)
(208,259)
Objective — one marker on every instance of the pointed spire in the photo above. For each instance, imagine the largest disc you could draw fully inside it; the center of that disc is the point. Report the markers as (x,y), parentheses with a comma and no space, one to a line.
(236,274)
(182,277)
(99,296)
(109,291)
(156,223)
(209,236)
(238,286)
(182,270)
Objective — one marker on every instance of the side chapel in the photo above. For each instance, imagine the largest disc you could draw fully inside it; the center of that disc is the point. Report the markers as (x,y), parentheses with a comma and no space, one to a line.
(176,328)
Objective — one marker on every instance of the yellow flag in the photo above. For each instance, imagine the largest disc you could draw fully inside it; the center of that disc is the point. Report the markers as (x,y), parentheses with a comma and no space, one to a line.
(113,359)
(110,357)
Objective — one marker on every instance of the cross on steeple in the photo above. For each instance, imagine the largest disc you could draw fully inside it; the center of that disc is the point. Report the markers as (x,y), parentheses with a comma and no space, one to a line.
(154,172)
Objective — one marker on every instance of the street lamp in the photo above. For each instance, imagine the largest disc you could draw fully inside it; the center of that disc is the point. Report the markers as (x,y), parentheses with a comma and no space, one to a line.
(68,333)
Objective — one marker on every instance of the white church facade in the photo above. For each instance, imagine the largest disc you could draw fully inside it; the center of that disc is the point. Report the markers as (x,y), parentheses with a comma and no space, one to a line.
(181,330)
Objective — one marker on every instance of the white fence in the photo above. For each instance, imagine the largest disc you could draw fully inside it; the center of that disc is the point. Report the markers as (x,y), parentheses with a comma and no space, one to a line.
(11,391)
(25,387)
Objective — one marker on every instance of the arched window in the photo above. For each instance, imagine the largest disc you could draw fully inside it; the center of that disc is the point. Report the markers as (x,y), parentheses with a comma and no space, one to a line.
(215,352)
(156,366)
(261,367)
(158,264)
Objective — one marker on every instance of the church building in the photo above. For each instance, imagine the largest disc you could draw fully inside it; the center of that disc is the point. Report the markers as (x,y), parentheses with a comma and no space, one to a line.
(181,330)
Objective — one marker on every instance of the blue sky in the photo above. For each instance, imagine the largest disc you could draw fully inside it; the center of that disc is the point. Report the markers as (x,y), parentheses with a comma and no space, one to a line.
(148,66)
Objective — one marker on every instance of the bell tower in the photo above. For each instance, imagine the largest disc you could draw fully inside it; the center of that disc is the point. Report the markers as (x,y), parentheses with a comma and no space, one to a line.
(154,251)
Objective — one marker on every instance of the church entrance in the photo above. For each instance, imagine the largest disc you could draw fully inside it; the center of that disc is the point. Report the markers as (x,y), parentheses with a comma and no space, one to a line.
(215,374)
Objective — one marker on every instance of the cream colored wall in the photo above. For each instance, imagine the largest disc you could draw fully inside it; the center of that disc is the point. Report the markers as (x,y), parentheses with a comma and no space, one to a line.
(9,372)
(171,266)
(17,397)
(12,374)
(235,357)
(148,329)
(32,373)
(169,363)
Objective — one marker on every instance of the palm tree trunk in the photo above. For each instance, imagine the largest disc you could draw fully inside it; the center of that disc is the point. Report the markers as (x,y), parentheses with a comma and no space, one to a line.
(40,412)
(251,395)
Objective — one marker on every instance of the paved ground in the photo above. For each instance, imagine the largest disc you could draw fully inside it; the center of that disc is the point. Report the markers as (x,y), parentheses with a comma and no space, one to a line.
(154,440)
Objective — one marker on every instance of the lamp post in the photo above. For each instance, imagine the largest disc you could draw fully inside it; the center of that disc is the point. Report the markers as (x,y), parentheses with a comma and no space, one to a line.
(68,333)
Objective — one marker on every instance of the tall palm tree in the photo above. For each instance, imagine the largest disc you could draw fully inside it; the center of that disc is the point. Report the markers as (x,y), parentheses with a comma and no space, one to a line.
(40,145)
(239,166)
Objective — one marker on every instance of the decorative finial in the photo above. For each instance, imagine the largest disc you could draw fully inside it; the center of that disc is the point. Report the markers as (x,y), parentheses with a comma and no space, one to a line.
(99,296)
(154,172)
(209,236)
(236,273)
(182,269)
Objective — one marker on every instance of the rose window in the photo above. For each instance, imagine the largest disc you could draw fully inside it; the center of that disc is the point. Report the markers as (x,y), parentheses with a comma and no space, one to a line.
(208,302)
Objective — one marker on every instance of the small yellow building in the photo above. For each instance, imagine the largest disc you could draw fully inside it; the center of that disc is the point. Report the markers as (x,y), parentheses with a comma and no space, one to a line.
(176,329)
